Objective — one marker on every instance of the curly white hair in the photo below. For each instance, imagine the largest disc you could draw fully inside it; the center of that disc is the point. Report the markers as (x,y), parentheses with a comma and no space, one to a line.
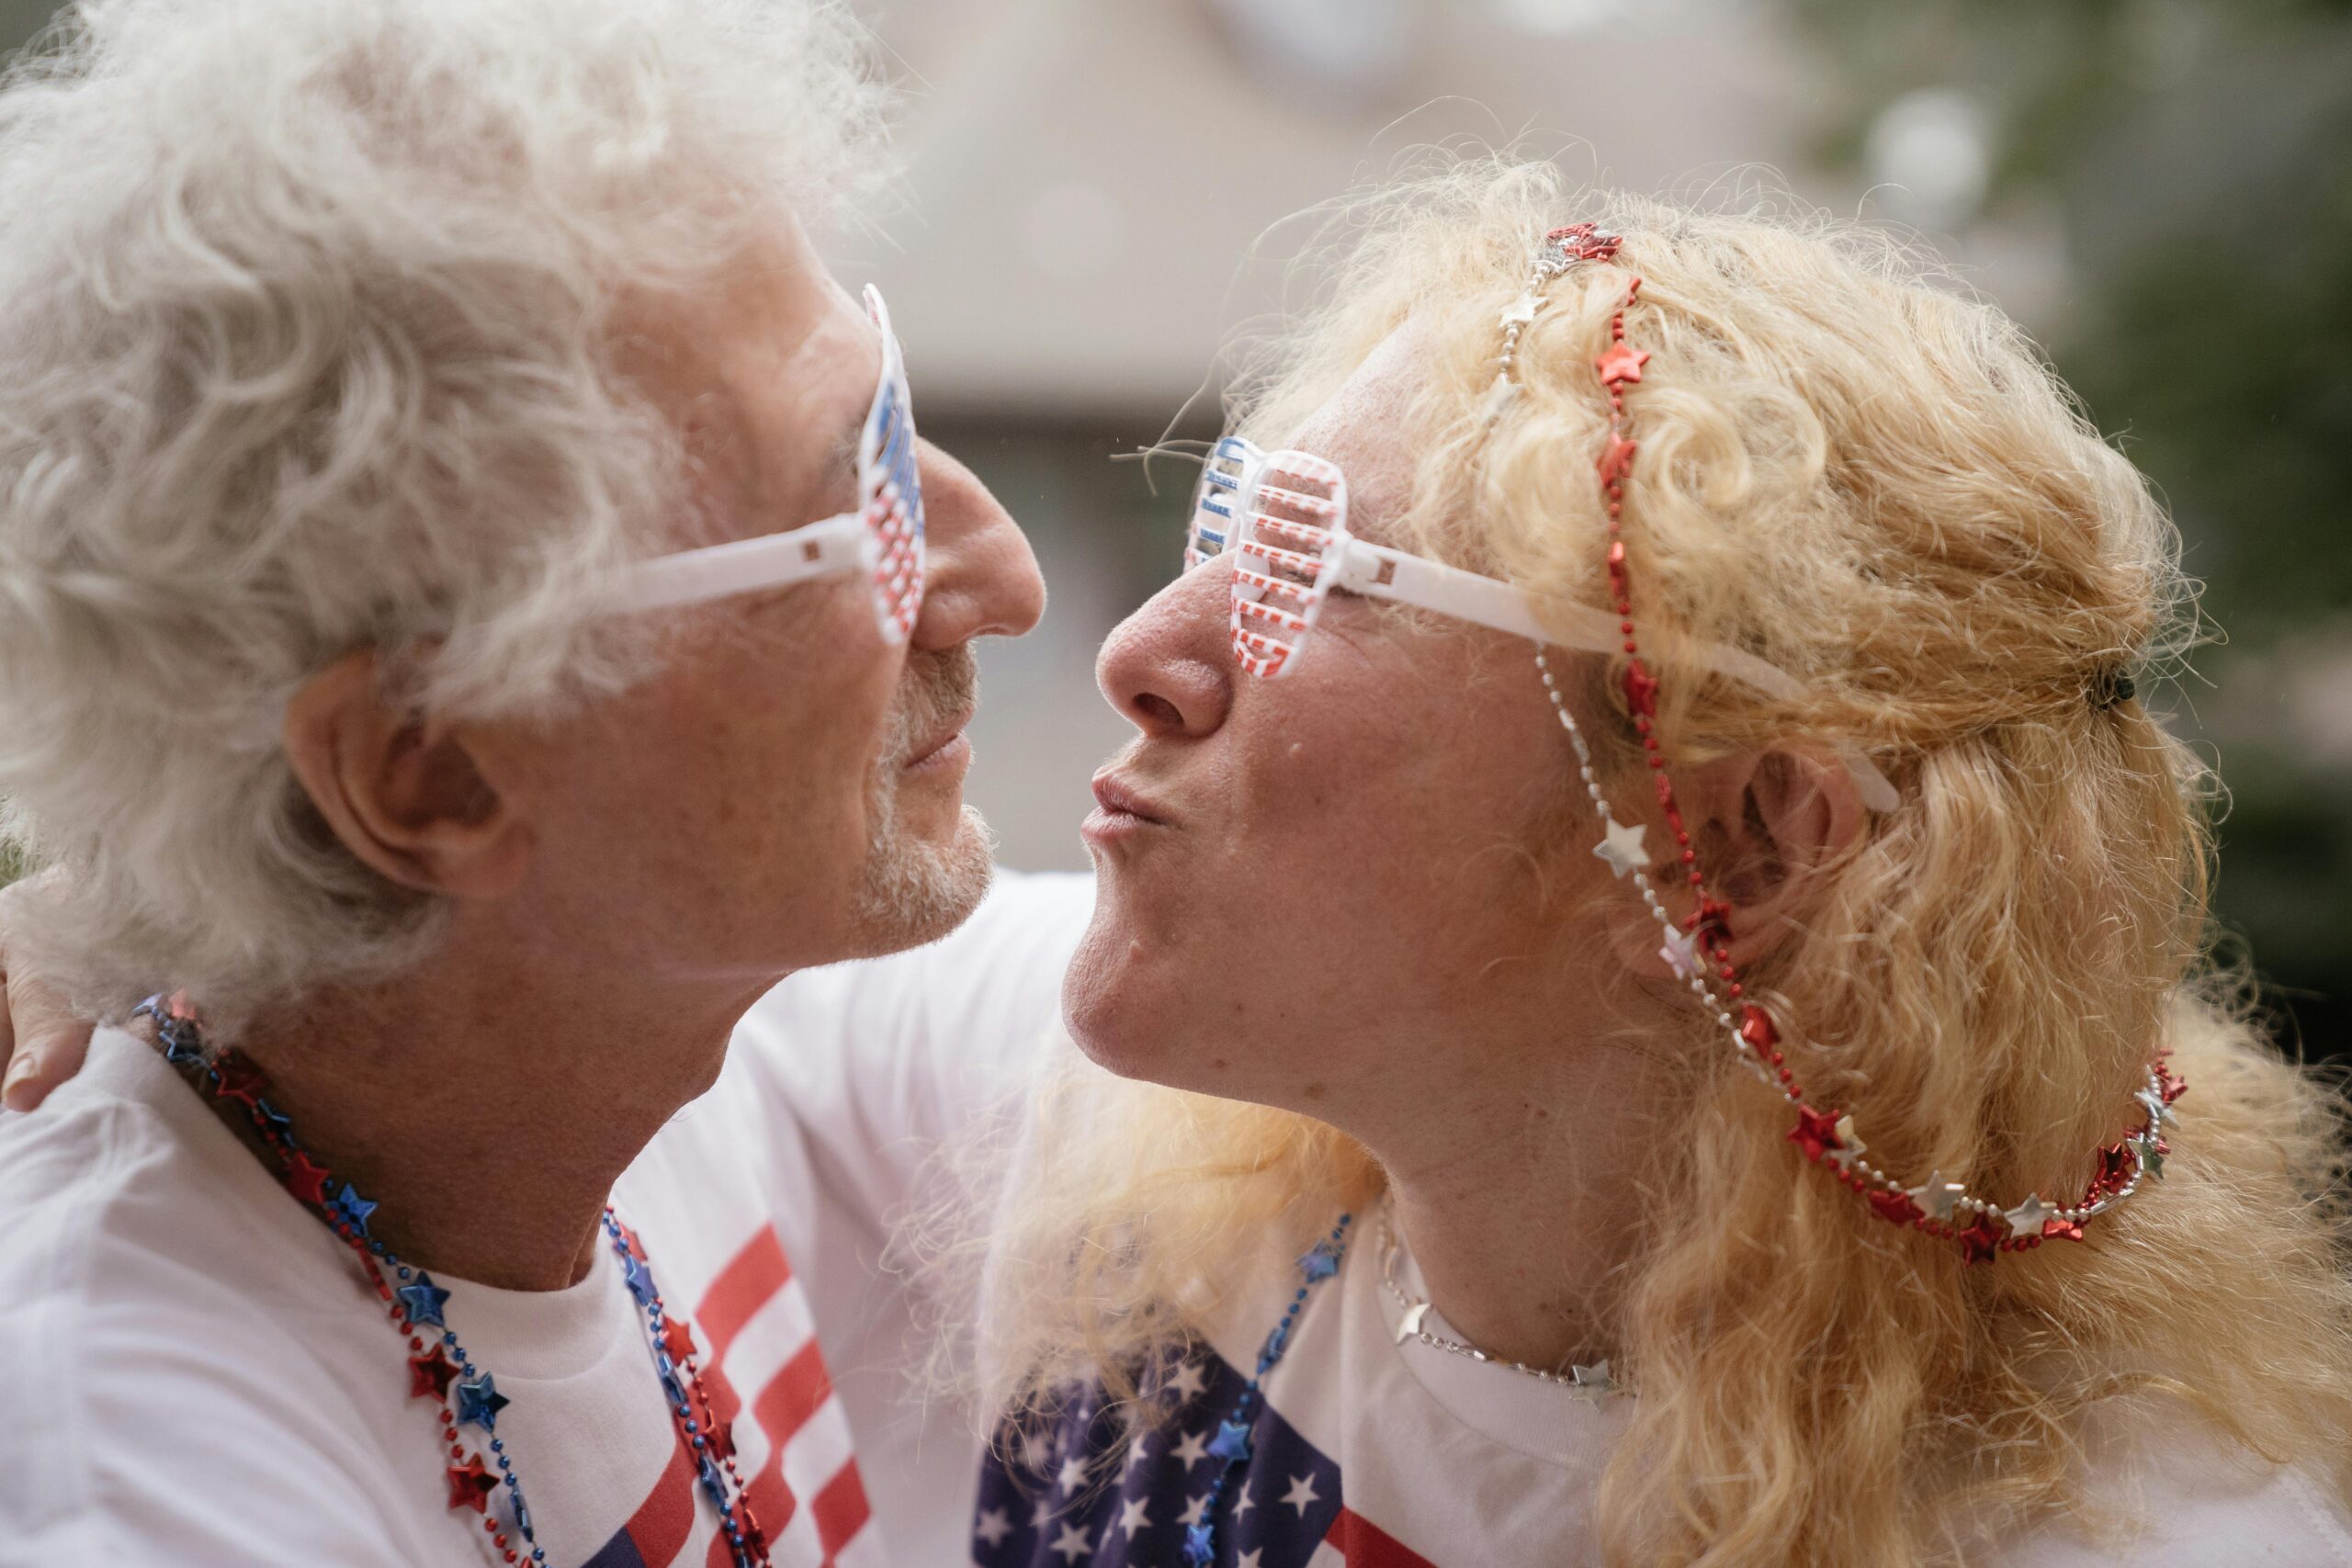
(305,325)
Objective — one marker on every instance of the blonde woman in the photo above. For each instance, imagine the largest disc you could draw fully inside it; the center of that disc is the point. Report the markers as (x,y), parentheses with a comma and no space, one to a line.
(1736,1061)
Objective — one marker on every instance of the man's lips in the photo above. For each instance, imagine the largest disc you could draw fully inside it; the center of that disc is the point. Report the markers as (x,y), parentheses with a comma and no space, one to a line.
(932,750)
(1118,798)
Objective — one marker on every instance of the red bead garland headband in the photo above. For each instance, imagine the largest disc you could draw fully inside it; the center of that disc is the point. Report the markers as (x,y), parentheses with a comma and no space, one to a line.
(1826,1136)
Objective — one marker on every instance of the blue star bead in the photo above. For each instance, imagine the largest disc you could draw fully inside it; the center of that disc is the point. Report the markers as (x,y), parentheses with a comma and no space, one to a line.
(421,1301)
(640,1278)
(480,1402)
(1198,1550)
(1231,1442)
(182,1043)
(353,1208)
(1319,1261)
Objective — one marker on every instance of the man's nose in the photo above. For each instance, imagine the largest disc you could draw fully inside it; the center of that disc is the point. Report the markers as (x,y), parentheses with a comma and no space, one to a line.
(1169,667)
(981,578)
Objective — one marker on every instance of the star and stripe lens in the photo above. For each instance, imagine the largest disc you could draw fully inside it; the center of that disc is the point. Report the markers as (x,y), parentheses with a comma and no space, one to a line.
(892,486)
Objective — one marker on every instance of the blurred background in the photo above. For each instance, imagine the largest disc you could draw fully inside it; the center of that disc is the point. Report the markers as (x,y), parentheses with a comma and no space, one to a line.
(2160,190)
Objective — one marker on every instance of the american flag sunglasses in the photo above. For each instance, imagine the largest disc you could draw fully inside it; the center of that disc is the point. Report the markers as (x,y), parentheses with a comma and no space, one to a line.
(883,537)
(1281,519)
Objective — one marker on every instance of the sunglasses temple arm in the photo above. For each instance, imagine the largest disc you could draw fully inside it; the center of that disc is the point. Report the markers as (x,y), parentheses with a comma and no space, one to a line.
(746,566)
(1380,573)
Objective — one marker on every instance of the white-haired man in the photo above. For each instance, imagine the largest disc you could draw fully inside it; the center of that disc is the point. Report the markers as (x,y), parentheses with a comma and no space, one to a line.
(400,408)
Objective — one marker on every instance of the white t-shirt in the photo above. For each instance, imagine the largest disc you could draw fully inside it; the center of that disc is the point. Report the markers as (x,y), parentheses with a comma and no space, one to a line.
(193,1371)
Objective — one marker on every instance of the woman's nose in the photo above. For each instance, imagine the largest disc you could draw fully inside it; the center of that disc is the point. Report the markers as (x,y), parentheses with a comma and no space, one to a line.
(1169,667)
(981,578)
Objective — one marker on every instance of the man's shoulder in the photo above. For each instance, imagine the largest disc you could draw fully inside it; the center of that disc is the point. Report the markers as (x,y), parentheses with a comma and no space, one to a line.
(155,1316)
(127,1213)
(98,1150)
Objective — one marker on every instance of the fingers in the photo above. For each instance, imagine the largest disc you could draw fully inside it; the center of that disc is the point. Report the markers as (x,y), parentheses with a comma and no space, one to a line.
(7,1046)
(49,1041)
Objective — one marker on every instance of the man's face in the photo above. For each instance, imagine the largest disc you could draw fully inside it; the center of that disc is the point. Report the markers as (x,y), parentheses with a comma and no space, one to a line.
(789,790)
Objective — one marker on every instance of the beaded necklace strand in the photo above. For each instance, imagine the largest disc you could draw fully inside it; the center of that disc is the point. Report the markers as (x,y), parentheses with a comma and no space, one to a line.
(1232,1443)
(438,1362)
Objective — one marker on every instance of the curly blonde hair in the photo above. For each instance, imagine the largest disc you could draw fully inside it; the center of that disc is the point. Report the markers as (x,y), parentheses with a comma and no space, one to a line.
(1857,472)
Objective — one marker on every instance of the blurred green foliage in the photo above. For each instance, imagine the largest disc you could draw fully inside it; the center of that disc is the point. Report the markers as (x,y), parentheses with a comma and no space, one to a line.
(2198,156)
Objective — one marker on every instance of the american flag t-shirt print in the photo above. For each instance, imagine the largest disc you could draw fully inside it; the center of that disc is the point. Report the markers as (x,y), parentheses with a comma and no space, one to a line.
(1085,1492)
(753,1329)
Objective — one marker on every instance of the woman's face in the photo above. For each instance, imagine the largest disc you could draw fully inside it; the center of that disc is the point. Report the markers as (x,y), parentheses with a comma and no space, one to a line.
(1344,884)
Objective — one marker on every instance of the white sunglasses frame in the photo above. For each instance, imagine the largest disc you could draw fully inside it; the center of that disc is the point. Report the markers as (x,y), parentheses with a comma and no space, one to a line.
(846,542)
(1399,576)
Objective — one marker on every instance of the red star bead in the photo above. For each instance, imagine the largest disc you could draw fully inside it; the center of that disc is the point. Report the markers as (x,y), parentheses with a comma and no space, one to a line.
(678,1338)
(1584,242)
(1896,1207)
(306,1179)
(430,1375)
(470,1486)
(240,1080)
(1616,458)
(1624,362)
(2172,1084)
(1815,1131)
(721,1437)
(1980,1240)
(1641,691)
(1757,1028)
(2115,1163)
(2071,1230)
(1713,921)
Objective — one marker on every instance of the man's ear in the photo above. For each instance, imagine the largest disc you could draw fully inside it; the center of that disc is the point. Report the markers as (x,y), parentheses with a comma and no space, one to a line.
(1766,826)
(402,792)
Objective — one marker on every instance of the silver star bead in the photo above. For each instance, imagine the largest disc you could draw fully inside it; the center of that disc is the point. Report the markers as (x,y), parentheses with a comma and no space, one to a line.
(1852,1146)
(1413,1320)
(1621,846)
(2152,1156)
(2158,1112)
(1520,311)
(1499,397)
(2027,1218)
(1593,1383)
(1936,1196)
(1681,955)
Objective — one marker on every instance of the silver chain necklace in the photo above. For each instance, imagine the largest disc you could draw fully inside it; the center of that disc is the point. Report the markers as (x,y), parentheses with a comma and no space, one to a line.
(1592,1383)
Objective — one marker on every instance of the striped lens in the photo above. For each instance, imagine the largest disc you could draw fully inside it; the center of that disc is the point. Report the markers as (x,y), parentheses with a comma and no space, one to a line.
(1291,538)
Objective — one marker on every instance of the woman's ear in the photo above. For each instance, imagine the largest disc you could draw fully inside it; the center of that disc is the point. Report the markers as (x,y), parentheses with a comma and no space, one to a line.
(1765,826)
(404,793)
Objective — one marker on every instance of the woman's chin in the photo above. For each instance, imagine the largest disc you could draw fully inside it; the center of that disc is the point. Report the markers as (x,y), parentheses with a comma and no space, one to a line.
(1120,1010)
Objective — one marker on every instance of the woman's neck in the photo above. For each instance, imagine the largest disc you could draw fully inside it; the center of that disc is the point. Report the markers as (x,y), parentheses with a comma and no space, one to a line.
(1520,1209)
